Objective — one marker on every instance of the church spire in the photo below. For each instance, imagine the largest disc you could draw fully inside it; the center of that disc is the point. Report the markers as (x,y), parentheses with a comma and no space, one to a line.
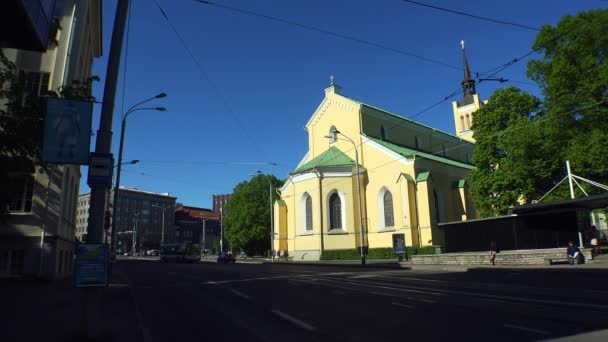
(468,84)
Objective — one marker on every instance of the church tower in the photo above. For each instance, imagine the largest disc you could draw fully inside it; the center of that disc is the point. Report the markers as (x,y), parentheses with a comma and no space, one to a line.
(463,110)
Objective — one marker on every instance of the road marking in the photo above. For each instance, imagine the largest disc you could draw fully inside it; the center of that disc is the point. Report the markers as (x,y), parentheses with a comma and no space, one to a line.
(363,276)
(518,327)
(392,288)
(382,294)
(403,305)
(119,285)
(272,278)
(294,320)
(240,294)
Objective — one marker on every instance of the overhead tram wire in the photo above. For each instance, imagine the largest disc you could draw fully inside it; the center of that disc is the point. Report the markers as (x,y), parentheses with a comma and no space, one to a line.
(207,78)
(473,15)
(329,33)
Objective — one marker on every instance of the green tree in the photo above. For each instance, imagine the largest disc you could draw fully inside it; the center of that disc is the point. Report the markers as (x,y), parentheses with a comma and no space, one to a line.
(247,221)
(509,152)
(573,75)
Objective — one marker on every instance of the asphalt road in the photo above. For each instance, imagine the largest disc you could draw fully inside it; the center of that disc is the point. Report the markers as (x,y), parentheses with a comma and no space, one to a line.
(267,302)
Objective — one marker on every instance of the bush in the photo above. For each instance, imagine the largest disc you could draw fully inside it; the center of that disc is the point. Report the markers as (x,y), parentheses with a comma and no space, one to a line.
(373,253)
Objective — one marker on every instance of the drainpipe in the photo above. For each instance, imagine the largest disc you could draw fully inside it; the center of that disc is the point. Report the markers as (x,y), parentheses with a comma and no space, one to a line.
(320,208)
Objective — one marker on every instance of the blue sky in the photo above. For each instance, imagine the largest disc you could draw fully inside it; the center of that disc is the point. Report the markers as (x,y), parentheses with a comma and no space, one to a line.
(240,94)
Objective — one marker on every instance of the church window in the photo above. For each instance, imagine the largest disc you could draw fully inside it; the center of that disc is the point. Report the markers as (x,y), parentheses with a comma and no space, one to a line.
(335,212)
(389,219)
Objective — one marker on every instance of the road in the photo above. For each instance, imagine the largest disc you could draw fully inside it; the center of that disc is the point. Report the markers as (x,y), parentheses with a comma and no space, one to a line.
(268,302)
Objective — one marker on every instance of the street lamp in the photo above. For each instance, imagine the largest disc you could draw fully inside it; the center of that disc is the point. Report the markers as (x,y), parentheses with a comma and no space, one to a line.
(333,138)
(133,108)
(258,172)
(162,233)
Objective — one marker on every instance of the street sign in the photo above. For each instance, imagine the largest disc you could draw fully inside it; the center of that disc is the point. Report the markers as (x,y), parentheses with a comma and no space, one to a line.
(67,131)
(91,265)
(399,243)
(101,167)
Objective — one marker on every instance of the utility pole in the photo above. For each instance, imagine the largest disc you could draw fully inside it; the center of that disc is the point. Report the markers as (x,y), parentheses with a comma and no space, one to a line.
(91,321)
(572,196)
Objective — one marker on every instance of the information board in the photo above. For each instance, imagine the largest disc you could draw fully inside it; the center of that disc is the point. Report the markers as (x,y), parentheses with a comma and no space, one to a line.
(91,265)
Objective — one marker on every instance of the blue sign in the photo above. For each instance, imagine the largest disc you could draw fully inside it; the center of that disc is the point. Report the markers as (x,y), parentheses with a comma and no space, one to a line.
(91,265)
(67,131)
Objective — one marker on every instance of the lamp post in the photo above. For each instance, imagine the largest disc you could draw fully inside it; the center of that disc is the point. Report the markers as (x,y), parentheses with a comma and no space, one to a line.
(333,139)
(162,233)
(258,172)
(133,108)
(134,247)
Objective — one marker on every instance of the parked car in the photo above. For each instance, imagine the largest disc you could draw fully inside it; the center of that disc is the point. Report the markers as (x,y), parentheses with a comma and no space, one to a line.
(153,252)
(226,258)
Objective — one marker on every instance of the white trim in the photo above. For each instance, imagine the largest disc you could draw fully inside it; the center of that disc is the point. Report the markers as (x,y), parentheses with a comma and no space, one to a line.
(386,151)
(342,209)
(313,175)
(303,214)
(303,177)
(466,108)
(328,101)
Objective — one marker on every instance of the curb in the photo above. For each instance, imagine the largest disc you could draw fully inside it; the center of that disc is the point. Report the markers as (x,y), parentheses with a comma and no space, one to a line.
(394,265)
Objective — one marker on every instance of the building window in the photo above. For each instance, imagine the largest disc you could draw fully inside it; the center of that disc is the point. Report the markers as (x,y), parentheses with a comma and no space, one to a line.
(444,150)
(468,121)
(418,142)
(389,219)
(335,212)
(308,213)
(383,133)
(35,83)
(462,123)
(333,136)
(21,200)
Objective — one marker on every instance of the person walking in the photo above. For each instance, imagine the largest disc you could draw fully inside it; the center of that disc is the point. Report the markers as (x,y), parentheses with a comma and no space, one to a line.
(280,254)
(493,251)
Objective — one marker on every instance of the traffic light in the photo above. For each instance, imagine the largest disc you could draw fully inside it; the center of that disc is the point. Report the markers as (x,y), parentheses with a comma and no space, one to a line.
(107,220)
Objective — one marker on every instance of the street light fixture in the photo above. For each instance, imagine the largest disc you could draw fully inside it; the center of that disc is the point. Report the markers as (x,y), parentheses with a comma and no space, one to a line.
(133,108)
(333,138)
(258,172)
(162,236)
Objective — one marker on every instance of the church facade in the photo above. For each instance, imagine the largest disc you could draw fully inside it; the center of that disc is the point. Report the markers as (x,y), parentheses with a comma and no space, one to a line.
(370,173)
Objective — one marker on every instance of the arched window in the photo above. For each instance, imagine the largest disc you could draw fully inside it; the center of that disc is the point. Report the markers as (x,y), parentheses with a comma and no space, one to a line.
(308,209)
(335,212)
(418,142)
(468,121)
(333,136)
(462,128)
(389,219)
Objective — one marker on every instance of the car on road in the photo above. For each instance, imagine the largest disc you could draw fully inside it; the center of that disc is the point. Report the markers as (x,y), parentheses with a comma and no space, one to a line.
(180,252)
(226,258)
(153,252)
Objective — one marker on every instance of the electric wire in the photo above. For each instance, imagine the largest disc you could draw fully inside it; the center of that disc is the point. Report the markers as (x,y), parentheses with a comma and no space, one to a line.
(205,76)
(328,32)
(472,15)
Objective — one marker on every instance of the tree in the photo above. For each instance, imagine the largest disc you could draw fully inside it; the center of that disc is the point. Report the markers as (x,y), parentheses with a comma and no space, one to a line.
(247,221)
(509,151)
(573,75)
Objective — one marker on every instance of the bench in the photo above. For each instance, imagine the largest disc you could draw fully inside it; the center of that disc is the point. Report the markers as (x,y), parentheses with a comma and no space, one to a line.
(556,261)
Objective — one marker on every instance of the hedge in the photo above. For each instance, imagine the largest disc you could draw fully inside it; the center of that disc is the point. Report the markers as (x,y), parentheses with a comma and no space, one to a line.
(373,253)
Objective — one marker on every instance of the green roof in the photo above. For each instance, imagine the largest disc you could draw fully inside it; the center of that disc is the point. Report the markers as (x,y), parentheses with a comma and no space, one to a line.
(333,157)
(282,203)
(409,153)
(410,121)
(423,176)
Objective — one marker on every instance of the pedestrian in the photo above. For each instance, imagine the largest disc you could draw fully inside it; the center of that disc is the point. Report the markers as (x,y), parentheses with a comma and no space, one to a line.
(274,254)
(285,254)
(493,251)
(574,254)
(595,242)
(280,254)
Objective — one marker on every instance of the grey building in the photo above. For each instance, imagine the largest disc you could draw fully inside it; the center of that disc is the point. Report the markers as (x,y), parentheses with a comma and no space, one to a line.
(138,213)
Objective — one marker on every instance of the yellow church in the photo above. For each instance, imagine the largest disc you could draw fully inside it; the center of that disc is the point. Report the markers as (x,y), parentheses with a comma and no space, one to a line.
(370,173)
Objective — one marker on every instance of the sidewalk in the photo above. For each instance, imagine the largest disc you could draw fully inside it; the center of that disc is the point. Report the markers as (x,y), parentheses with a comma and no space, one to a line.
(53,311)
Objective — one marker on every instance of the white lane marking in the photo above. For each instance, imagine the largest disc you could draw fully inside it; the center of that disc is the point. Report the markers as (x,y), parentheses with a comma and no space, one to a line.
(271,278)
(403,305)
(363,276)
(518,327)
(294,320)
(484,295)
(240,294)
(410,278)
(118,285)
(145,332)
(382,294)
